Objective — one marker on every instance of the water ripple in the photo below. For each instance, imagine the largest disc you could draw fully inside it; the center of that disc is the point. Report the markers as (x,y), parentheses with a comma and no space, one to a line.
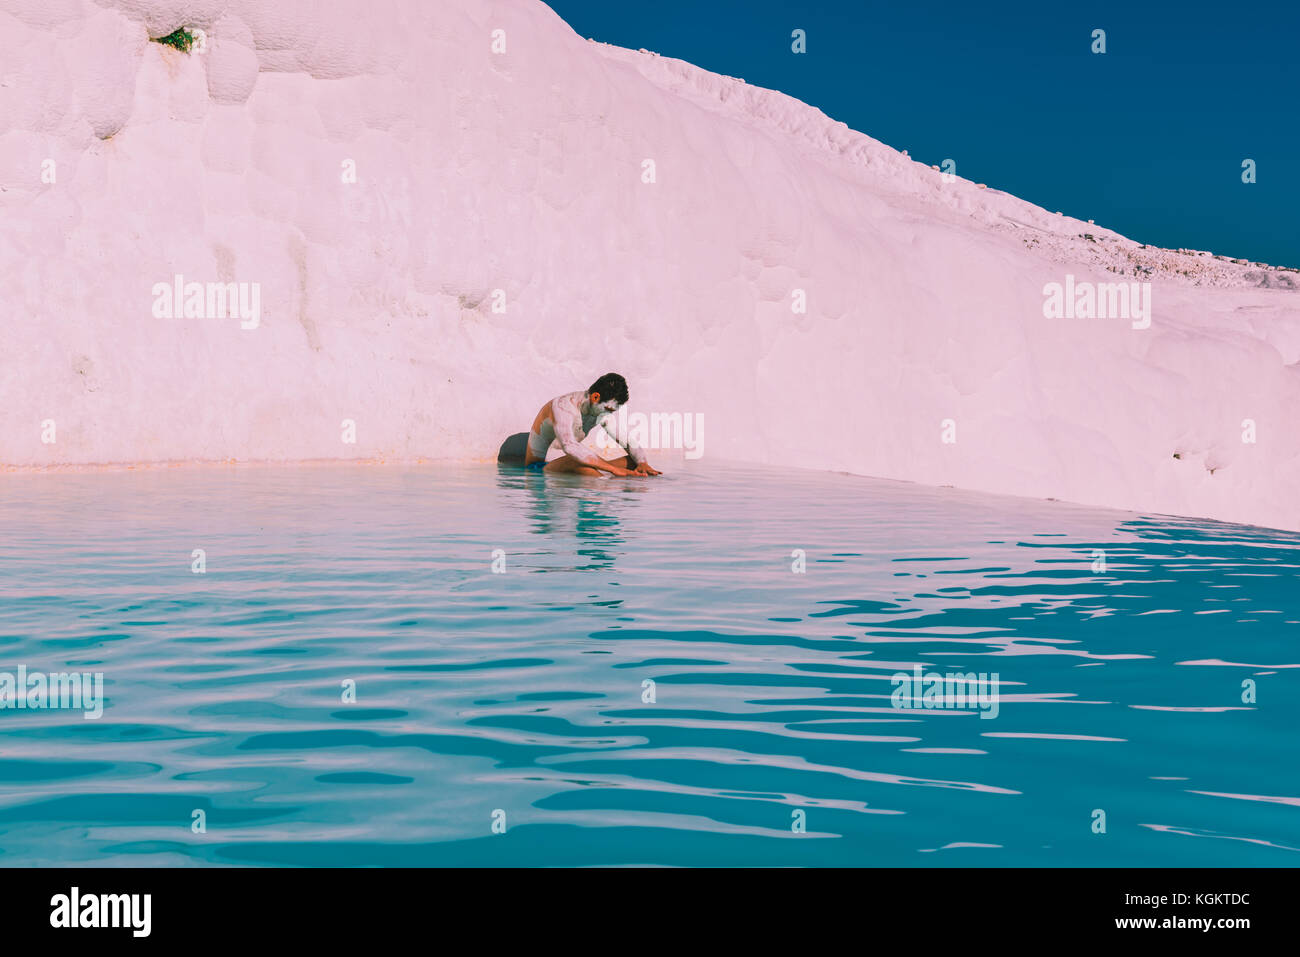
(648,675)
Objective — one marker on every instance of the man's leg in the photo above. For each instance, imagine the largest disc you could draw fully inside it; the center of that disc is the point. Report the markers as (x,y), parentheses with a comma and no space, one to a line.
(567,463)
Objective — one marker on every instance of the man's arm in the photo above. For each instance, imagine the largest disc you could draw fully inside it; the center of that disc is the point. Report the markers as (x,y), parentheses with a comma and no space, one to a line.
(635,454)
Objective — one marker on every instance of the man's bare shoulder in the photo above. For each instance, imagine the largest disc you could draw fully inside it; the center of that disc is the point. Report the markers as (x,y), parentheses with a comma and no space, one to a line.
(569,402)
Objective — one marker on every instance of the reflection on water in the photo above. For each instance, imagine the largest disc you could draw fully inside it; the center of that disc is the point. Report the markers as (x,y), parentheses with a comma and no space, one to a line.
(577,506)
(644,678)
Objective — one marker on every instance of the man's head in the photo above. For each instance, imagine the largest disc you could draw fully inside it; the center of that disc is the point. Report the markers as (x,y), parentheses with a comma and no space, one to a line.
(608,392)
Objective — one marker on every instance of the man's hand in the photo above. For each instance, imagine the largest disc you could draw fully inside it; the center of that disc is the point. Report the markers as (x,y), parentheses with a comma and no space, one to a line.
(645,468)
(619,471)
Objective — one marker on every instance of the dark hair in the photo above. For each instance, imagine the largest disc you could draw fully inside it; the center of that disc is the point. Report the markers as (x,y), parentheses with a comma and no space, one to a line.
(610,386)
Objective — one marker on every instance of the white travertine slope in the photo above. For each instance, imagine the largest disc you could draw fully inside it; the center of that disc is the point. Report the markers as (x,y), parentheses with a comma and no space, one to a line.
(522,171)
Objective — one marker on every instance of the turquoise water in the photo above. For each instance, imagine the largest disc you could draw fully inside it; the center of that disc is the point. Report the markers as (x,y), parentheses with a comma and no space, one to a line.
(523,692)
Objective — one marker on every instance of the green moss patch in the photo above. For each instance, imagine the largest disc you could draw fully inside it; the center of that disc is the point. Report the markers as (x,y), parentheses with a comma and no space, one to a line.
(180,38)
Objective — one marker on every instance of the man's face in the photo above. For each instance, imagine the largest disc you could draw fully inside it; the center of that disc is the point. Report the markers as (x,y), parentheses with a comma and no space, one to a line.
(601,405)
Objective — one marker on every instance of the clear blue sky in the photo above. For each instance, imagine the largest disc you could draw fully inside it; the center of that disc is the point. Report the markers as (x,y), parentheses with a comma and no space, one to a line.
(1147,139)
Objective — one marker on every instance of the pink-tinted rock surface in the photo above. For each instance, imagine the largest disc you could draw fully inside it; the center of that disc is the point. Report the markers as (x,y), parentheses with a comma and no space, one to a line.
(518,180)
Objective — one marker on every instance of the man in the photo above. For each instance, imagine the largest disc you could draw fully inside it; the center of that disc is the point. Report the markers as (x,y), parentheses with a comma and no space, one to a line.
(570,417)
